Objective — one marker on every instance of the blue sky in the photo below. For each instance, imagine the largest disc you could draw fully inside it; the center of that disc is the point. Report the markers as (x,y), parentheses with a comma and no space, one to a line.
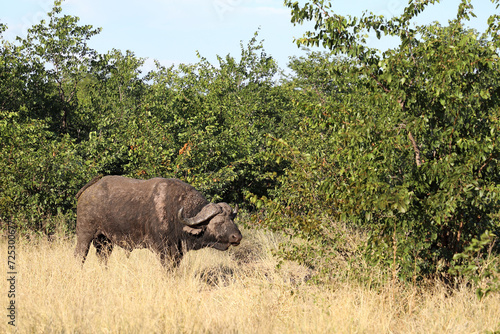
(171,31)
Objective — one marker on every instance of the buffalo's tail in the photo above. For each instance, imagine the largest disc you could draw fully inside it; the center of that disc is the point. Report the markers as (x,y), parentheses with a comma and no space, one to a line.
(94,180)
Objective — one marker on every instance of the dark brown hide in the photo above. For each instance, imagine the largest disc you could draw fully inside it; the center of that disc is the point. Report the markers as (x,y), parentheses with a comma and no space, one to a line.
(132,213)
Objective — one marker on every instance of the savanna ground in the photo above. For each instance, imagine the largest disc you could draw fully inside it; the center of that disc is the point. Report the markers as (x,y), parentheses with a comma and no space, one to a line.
(239,291)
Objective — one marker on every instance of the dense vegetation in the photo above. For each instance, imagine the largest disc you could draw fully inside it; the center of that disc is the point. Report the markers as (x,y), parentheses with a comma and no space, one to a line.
(402,144)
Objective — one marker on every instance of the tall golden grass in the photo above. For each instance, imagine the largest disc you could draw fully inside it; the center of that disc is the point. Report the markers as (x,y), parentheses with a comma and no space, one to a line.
(239,291)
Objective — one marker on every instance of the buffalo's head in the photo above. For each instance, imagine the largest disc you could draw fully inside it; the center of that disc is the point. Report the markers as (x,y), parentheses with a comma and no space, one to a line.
(213,226)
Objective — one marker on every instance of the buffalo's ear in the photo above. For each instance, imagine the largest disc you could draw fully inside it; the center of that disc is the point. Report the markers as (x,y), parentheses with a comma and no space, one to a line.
(235,212)
(192,231)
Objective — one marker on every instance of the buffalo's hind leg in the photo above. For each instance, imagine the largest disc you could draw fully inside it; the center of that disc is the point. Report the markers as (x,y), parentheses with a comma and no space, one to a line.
(103,247)
(82,246)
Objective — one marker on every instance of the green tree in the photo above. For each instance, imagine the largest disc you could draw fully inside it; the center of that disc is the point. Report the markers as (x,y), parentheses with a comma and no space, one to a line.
(41,169)
(110,107)
(38,169)
(13,75)
(60,47)
(417,151)
(216,117)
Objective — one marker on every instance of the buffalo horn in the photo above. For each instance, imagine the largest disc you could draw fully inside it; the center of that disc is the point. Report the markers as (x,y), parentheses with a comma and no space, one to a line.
(205,214)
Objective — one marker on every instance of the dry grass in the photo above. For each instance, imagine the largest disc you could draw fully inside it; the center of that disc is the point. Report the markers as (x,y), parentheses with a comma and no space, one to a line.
(240,291)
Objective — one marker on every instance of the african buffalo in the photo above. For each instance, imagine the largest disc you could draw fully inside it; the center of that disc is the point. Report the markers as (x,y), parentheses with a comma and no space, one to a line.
(167,216)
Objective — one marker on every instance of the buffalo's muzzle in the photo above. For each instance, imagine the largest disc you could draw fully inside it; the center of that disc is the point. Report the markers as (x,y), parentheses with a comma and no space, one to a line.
(235,239)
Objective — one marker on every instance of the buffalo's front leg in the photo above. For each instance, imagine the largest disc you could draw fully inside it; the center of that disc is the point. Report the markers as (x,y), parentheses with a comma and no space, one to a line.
(169,259)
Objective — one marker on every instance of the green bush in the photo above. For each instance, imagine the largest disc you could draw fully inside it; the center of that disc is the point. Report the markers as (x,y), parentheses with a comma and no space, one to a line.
(415,144)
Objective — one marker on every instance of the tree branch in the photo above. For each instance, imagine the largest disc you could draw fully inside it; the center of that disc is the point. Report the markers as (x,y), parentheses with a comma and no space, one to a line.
(490,158)
(415,148)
